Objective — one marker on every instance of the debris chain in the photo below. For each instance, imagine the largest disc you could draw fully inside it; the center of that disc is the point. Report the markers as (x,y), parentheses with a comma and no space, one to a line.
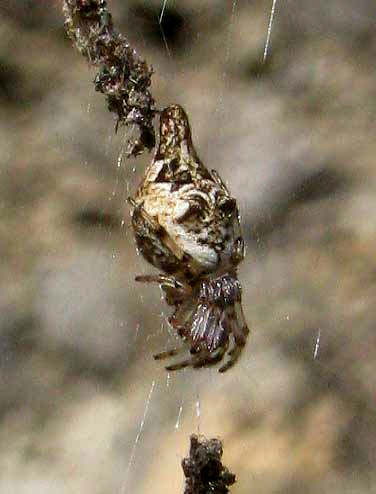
(203,468)
(123,77)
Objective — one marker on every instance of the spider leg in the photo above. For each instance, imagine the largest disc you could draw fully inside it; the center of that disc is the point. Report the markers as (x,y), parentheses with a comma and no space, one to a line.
(194,361)
(234,354)
(179,365)
(174,290)
(168,353)
(132,202)
(217,179)
(237,254)
(212,358)
(162,279)
(236,350)
(200,359)
(150,221)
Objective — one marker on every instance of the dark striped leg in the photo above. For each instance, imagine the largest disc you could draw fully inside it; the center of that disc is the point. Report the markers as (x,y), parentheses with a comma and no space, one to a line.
(200,359)
(236,350)
(168,353)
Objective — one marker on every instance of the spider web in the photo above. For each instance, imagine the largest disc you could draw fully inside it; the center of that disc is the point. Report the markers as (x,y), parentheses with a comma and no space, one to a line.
(171,406)
(189,412)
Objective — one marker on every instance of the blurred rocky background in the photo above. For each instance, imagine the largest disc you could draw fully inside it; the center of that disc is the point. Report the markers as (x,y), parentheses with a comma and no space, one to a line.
(84,408)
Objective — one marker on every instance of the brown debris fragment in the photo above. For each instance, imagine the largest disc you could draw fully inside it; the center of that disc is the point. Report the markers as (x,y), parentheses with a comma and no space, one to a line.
(203,468)
(123,77)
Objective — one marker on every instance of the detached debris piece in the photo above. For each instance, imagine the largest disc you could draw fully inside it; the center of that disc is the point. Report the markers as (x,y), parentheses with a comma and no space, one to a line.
(203,469)
(123,77)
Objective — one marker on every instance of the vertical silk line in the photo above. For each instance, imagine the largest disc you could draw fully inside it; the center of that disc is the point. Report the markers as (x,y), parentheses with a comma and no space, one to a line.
(177,424)
(317,346)
(268,36)
(160,19)
(162,11)
(198,414)
(140,429)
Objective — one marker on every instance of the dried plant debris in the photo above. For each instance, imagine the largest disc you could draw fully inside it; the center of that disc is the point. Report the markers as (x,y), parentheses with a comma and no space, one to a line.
(186,224)
(203,468)
(123,77)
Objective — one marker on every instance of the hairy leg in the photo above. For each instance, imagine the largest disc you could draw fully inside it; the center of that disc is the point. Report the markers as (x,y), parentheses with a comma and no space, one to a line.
(234,354)
(239,334)
(168,353)
(217,179)
(162,279)
(237,254)
(200,359)
(175,291)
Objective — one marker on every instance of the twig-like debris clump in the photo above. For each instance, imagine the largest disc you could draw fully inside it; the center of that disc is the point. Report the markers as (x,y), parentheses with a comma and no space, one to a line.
(123,77)
(203,468)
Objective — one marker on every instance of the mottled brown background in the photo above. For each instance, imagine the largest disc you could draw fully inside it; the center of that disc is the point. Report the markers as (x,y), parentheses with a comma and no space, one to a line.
(295,140)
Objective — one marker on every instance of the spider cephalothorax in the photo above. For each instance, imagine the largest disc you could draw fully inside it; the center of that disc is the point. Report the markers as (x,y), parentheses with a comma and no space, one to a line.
(187,225)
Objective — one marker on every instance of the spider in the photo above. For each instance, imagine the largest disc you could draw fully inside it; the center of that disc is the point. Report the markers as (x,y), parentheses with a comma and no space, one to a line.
(186,224)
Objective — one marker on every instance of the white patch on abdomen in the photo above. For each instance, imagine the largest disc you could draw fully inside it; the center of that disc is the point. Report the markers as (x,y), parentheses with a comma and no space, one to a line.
(167,207)
(204,255)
